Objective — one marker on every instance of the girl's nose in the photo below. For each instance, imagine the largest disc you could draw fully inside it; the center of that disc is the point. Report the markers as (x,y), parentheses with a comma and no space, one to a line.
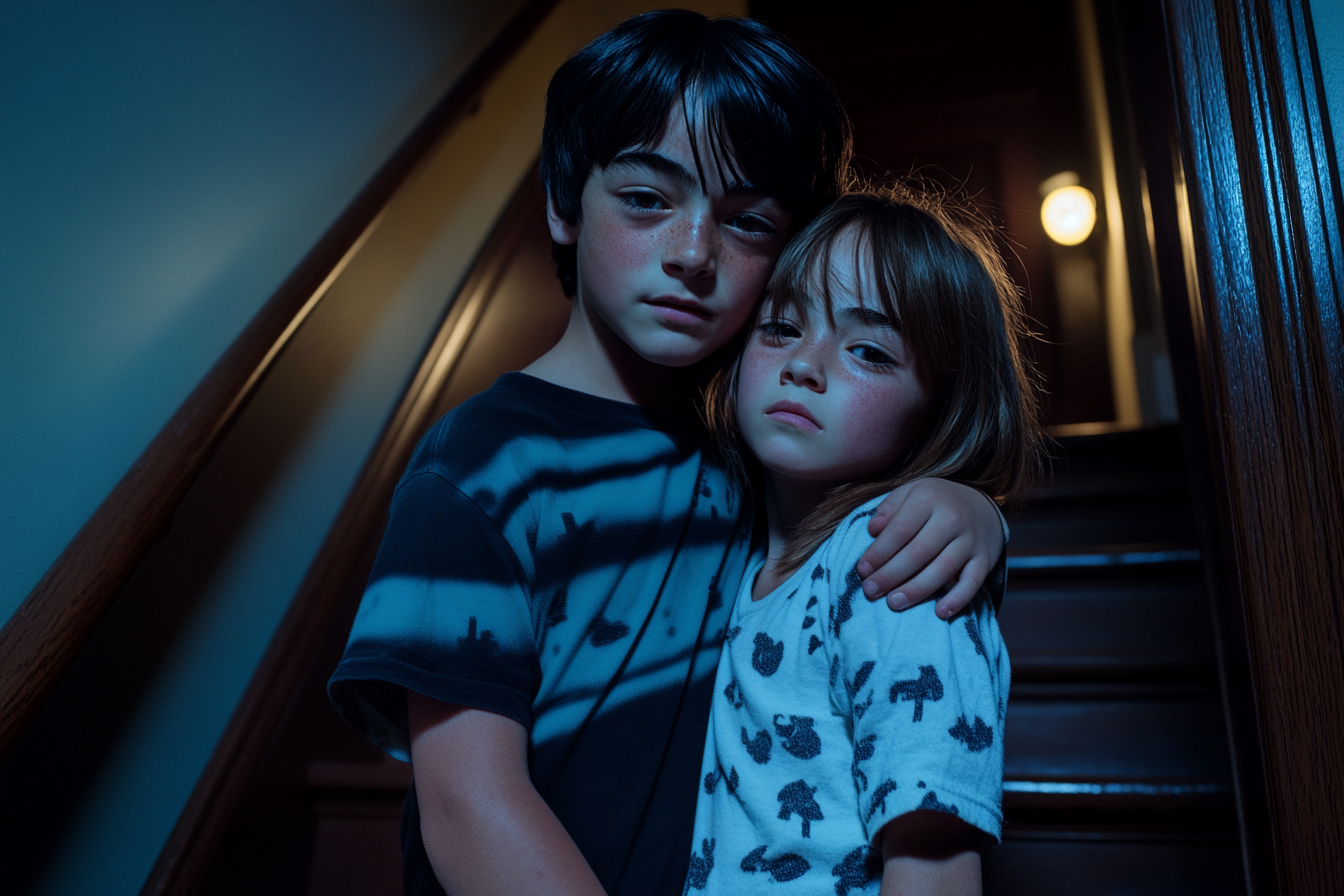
(692,251)
(802,369)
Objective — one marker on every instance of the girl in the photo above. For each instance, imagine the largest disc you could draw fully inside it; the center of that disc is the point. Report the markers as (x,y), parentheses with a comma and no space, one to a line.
(851,748)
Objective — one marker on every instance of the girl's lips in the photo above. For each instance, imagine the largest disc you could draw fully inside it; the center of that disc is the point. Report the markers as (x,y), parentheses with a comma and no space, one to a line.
(679,311)
(794,414)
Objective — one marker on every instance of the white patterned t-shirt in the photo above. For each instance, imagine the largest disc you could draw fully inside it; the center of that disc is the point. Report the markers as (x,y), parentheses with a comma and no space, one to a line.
(832,716)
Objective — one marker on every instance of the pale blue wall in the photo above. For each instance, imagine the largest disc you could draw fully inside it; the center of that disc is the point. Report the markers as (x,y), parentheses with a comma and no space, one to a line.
(163,166)
(1328,19)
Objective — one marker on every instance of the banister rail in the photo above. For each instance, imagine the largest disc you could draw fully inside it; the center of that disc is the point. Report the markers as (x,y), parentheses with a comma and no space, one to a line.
(46,634)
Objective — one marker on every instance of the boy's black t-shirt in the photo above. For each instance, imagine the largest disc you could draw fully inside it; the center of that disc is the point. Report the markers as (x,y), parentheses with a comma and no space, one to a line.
(563,560)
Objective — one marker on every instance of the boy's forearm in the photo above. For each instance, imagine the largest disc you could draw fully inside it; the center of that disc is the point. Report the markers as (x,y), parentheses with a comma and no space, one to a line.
(486,830)
(955,875)
(512,845)
(927,853)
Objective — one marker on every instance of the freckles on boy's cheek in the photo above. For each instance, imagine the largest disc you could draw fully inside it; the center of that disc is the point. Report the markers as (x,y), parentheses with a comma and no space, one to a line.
(749,273)
(613,249)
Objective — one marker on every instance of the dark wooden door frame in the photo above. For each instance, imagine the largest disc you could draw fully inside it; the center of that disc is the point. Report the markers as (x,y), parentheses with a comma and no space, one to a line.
(1246,208)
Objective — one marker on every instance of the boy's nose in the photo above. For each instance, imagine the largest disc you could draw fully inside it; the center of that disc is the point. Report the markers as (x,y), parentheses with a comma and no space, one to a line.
(692,251)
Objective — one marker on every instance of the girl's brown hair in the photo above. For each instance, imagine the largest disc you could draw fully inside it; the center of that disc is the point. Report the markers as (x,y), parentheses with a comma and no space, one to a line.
(938,275)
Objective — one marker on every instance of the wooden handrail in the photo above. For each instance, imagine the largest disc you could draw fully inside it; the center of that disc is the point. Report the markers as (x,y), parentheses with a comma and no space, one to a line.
(48,631)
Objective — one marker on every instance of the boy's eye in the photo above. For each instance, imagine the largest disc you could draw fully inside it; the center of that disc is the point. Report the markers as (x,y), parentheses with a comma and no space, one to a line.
(644,200)
(752,224)
(872,355)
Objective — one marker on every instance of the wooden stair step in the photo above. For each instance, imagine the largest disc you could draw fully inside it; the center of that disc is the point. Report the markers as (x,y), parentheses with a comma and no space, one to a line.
(1067,527)
(1107,560)
(1131,795)
(1140,626)
(1060,732)
(1057,863)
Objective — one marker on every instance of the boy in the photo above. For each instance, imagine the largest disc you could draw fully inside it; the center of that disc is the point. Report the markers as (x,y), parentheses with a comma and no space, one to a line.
(541,628)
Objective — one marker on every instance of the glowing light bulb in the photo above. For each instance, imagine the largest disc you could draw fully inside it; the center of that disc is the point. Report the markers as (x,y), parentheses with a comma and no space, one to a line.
(1069,213)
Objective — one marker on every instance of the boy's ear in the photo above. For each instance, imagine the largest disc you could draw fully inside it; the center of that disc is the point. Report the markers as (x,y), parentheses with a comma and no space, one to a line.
(562,231)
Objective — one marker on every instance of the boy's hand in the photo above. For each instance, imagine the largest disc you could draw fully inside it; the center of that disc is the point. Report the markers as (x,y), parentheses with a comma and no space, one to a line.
(931,533)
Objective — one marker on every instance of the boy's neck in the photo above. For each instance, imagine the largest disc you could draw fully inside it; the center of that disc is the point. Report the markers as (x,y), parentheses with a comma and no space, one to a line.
(591,358)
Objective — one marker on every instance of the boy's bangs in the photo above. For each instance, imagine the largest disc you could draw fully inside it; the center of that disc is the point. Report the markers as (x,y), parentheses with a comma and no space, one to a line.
(746,136)
(703,122)
(750,139)
(758,132)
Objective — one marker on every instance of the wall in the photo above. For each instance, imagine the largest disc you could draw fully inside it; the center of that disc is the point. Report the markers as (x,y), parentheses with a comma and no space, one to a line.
(162,168)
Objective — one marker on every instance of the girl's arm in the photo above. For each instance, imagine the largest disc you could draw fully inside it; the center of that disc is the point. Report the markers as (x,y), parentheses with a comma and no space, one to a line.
(928,853)
(932,533)
(485,827)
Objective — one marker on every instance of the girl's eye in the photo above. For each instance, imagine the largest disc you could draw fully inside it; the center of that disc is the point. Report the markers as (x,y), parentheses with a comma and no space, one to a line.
(873,355)
(643,200)
(752,225)
(776,331)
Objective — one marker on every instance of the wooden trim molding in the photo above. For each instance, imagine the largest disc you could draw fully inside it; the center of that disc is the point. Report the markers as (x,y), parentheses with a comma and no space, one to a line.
(1256,192)
(45,635)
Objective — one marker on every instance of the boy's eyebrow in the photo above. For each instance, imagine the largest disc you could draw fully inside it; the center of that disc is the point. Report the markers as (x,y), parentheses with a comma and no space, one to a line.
(659,163)
(747,188)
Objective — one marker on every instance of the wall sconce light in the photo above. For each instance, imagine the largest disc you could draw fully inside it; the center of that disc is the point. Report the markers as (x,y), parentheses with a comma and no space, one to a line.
(1069,211)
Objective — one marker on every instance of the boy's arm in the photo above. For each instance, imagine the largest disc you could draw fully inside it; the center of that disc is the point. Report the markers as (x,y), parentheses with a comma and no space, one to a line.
(932,533)
(485,827)
(929,854)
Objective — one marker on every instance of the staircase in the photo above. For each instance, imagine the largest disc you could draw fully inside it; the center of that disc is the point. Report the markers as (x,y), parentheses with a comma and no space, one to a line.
(1116,778)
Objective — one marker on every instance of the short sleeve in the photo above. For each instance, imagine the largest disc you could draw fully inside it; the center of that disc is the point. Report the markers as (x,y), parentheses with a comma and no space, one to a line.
(926,700)
(447,613)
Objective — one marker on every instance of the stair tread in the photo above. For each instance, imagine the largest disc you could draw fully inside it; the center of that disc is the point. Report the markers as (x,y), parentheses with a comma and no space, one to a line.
(1126,738)
(1067,867)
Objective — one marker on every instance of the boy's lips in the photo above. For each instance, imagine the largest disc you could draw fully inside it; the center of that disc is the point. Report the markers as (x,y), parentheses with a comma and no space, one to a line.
(681,311)
(794,414)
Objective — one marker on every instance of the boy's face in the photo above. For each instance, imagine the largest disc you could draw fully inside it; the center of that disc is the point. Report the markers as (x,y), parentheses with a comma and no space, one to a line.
(672,265)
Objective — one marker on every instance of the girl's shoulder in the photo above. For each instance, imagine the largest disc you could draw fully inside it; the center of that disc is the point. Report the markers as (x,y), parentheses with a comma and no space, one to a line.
(850,538)
(834,586)
(830,574)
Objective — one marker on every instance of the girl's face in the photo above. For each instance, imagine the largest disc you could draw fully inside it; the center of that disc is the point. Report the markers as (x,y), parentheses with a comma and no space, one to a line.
(831,403)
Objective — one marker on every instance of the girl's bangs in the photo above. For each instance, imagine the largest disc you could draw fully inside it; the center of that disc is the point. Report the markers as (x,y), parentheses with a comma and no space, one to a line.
(803,273)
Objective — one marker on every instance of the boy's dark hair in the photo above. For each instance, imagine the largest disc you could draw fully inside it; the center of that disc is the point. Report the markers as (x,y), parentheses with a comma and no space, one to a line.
(937,273)
(771,118)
